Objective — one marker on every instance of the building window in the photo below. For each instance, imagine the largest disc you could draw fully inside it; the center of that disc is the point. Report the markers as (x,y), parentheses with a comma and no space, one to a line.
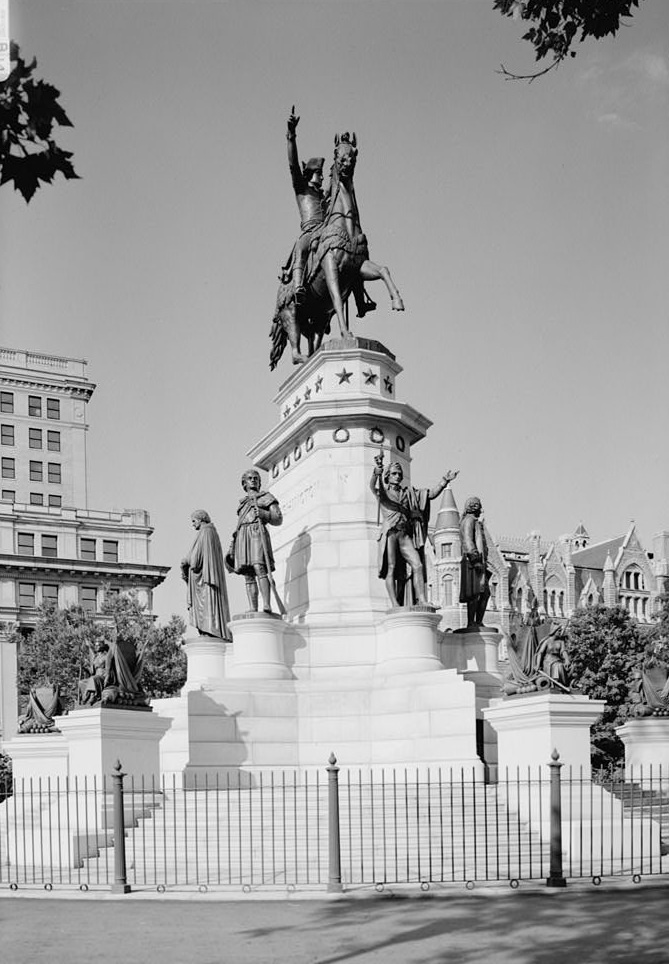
(446,550)
(26,544)
(7,437)
(87,550)
(55,501)
(447,591)
(35,406)
(50,546)
(8,495)
(7,402)
(109,550)
(36,472)
(54,472)
(9,468)
(27,595)
(53,441)
(50,595)
(36,498)
(52,408)
(35,438)
(88,598)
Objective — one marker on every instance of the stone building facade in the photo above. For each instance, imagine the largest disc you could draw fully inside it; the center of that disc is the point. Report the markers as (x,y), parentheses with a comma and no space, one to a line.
(53,547)
(563,575)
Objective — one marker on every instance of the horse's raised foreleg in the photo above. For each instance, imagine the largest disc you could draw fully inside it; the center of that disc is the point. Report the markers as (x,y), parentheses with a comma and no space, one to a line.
(369,271)
(332,280)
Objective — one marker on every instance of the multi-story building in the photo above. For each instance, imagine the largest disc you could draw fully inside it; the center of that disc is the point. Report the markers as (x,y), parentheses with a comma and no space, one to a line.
(562,576)
(53,548)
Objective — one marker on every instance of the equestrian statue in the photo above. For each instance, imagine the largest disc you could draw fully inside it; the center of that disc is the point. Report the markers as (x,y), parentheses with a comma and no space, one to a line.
(330,260)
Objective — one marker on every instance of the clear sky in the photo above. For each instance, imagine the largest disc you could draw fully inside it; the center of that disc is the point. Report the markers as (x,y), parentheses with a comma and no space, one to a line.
(526,226)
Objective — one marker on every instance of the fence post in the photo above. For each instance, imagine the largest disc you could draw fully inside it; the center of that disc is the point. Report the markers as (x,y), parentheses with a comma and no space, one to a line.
(334,849)
(120,885)
(556,878)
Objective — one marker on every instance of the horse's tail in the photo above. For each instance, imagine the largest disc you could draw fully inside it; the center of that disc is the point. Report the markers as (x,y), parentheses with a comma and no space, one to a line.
(279,338)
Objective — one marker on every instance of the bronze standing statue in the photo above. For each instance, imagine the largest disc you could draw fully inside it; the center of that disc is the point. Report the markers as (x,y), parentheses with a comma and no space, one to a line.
(330,259)
(204,571)
(250,553)
(406,514)
(474,573)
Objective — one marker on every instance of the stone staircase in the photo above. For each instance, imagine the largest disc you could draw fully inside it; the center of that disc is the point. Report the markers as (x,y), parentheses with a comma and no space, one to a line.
(277,835)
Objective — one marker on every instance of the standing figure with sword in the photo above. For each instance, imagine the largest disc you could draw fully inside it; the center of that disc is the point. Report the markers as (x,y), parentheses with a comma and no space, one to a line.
(250,553)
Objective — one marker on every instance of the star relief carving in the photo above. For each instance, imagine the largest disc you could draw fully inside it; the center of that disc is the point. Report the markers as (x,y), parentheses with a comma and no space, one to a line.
(286,412)
(297,401)
(370,377)
(344,376)
(389,385)
(307,394)
(319,383)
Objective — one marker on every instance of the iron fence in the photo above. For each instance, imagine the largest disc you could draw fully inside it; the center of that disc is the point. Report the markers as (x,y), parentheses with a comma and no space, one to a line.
(334,830)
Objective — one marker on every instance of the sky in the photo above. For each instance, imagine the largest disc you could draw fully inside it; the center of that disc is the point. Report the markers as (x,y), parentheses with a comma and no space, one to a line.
(525,225)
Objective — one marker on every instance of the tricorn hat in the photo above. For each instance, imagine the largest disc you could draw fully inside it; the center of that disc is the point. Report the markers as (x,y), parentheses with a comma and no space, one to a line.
(313,164)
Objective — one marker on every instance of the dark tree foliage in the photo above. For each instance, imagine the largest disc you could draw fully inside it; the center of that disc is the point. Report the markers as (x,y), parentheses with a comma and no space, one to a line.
(29,109)
(5,777)
(556,25)
(604,646)
(657,638)
(59,649)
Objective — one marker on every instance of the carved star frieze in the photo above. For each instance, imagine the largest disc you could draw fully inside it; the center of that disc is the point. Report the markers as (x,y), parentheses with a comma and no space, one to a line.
(297,401)
(389,385)
(307,394)
(286,412)
(319,383)
(344,376)
(370,377)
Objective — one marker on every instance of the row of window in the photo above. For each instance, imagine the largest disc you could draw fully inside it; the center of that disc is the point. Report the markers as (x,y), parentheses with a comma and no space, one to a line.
(26,543)
(36,498)
(53,471)
(35,407)
(35,438)
(88,596)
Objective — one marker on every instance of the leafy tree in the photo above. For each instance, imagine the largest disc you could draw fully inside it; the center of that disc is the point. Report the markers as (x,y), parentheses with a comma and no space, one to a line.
(604,646)
(58,650)
(556,25)
(29,109)
(5,776)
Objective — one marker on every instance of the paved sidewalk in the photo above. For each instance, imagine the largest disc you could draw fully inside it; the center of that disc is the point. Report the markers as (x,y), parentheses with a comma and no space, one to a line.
(582,925)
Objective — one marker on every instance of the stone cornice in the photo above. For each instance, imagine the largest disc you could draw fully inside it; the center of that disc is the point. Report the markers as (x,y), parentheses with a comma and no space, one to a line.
(33,383)
(13,566)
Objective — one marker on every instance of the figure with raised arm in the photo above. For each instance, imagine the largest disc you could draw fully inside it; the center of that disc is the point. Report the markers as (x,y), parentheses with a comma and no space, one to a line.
(250,553)
(406,514)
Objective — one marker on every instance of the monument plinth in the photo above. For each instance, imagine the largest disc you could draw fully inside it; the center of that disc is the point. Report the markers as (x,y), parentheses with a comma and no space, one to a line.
(341,670)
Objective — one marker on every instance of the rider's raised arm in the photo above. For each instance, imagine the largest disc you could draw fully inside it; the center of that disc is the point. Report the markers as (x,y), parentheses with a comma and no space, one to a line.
(293,160)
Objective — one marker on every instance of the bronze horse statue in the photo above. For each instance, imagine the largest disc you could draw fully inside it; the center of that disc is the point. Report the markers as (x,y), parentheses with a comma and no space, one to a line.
(337,266)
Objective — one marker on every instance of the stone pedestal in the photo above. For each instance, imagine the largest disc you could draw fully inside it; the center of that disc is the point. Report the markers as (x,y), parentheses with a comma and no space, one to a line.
(646,745)
(206,661)
(96,738)
(258,650)
(480,645)
(335,413)
(408,641)
(38,756)
(529,728)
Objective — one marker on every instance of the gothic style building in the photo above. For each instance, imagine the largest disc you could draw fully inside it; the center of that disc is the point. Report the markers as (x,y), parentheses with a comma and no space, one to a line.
(53,548)
(562,576)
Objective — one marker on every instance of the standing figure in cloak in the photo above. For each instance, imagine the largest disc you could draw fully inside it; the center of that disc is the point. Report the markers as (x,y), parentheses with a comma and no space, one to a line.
(204,571)
(250,553)
(406,514)
(474,572)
